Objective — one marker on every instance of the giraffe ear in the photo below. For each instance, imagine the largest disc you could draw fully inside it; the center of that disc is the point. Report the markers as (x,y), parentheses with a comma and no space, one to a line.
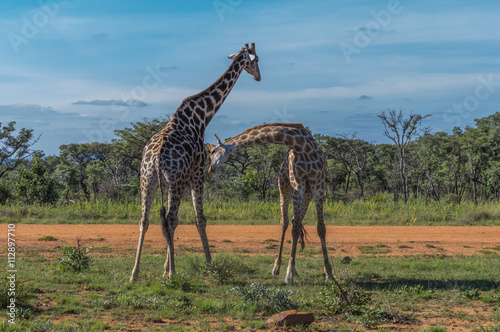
(232,56)
(210,147)
(218,139)
(252,57)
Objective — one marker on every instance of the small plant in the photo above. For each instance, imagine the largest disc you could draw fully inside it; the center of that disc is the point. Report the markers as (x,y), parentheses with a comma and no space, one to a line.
(179,281)
(488,253)
(334,303)
(368,317)
(488,329)
(412,290)
(431,246)
(74,258)
(472,294)
(435,329)
(47,238)
(221,269)
(377,249)
(271,246)
(266,299)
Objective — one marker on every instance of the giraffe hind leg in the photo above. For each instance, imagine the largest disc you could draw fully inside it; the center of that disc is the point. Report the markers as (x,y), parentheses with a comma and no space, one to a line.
(321,229)
(201,221)
(148,186)
(285,198)
(300,203)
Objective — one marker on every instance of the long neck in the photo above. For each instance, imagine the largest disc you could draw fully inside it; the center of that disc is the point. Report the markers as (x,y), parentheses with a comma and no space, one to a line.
(295,136)
(198,110)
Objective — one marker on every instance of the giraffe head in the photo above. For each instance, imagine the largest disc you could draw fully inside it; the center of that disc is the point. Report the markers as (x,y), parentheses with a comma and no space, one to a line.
(218,154)
(251,64)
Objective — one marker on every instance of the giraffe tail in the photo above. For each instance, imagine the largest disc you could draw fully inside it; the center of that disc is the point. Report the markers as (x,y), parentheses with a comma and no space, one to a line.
(163,216)
(164,222)
(302,237)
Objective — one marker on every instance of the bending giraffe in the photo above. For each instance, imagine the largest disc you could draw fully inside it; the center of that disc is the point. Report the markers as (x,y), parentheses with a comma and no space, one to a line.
(176,155)
(301,179)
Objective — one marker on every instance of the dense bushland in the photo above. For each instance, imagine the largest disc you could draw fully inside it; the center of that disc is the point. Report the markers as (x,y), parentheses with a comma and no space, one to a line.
(456,168)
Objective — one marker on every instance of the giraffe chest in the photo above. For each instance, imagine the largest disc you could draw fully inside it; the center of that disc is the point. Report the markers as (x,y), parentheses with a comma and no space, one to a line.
(175,153)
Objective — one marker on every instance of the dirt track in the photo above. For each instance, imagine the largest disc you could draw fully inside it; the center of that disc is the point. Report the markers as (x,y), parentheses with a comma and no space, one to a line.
(346,240)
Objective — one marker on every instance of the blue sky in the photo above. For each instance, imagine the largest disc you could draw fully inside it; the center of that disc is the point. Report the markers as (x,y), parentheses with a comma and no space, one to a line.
(75,71)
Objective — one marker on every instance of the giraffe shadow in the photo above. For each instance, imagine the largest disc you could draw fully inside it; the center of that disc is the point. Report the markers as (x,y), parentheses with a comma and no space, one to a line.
(428,284)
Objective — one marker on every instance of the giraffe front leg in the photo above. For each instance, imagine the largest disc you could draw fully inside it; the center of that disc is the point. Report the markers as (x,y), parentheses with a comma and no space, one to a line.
(285,198)
(201,221)
(285,201)
(291,271)
(166,266)
(277,262)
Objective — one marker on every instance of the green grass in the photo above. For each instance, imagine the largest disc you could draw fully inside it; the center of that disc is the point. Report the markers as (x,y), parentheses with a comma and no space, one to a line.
(378,210)
(198,298)
(47,238)
(377,249)
(431,246)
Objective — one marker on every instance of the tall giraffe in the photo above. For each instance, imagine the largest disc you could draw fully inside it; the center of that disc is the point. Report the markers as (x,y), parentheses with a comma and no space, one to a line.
(301,178)
(175,157)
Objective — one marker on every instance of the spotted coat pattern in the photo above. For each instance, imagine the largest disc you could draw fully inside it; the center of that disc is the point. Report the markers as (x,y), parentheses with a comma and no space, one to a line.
(176,155)
(301,179)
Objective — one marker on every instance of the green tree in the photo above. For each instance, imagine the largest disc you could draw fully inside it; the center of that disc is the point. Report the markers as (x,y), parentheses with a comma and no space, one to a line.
(34,186)
(14,149)
(131,141)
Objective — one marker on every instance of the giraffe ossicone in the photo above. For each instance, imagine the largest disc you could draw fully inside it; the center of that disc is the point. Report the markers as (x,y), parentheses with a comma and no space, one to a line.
(176,156)
(301,179)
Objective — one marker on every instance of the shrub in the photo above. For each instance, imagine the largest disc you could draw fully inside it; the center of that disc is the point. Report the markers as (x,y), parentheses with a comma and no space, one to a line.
(179,282)
(33,186)
(221,269)
(333,301)
(367,316)
(74,258)
(265,299)
(472,294)
(4,194)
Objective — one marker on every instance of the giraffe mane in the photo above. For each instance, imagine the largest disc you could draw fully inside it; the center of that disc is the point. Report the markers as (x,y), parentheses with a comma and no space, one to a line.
(274,124)
(187,99)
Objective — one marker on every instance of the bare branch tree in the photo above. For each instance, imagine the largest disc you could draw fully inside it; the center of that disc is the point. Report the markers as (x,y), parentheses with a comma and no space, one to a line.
(402,131)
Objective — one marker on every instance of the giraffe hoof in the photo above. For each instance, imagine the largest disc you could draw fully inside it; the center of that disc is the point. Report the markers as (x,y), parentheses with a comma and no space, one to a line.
(289,278)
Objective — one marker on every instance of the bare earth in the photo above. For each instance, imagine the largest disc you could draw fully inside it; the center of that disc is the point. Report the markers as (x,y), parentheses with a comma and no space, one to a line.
(255,240)
(448,240)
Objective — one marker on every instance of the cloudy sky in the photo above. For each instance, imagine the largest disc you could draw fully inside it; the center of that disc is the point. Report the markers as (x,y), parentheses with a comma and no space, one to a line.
(75,71)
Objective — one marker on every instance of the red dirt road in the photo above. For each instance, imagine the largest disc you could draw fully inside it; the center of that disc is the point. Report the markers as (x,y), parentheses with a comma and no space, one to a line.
(346,240)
